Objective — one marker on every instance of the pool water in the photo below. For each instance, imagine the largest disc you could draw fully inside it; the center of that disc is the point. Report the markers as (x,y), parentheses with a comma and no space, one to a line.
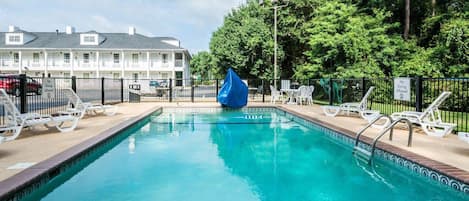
(234,155)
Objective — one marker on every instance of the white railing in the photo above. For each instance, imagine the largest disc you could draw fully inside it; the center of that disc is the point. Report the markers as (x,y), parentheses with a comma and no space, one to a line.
(178,63)
(105,65)
(82,64)
(8,63)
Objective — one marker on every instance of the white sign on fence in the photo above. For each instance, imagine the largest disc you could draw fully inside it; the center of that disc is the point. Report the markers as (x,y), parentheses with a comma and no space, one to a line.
(402,88)
(48,88)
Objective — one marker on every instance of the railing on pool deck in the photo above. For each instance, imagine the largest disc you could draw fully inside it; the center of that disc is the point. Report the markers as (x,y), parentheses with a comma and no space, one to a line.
(326,91)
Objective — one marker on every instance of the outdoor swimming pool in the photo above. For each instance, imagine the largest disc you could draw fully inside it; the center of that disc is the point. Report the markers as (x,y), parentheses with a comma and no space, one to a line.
(210,154)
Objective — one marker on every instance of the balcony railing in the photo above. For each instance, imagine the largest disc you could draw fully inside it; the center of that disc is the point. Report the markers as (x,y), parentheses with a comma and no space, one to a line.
(82,64)
(8,63)
(105,65)
(178,63)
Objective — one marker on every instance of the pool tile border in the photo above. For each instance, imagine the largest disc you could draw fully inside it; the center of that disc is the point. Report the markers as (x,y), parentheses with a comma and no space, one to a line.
(448,175)
(27,181)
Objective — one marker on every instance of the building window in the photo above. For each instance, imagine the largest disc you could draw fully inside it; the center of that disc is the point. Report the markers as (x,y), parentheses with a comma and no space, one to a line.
(178,60)
(16,57)
(165,58)
(135,58)
(66,75)
(135,76)
(67,58)
(89,39)
(35,57)
(116,58)
(86,75)
(178,78)
(14,38)
(86,58)
(116,75)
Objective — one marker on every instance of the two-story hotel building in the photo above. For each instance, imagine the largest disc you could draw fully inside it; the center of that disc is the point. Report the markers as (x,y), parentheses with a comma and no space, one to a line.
(92,54)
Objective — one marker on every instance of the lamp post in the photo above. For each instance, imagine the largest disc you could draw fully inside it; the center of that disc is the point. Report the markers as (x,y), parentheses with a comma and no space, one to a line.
(276,6)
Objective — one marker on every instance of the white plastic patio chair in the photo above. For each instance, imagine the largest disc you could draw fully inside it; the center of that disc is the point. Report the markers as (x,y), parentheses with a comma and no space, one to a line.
(305,94)
(80,108)
(360,108)
(14,121)
(430,119)
(275,95)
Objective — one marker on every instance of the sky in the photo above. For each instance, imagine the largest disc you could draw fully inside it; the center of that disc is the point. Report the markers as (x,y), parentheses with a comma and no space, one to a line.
(191,21)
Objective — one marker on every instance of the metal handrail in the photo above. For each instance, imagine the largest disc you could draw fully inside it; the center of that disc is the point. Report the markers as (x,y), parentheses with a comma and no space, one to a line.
(360,132)
(391,127)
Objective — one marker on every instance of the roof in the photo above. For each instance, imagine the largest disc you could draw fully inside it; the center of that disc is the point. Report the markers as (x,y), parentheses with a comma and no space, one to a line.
(62,40)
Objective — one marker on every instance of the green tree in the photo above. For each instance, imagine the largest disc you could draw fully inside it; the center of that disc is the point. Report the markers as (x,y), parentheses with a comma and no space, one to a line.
(244,42)
(347,43)
(203,65)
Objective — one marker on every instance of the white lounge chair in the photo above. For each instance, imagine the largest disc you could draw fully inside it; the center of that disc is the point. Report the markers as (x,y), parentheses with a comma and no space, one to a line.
(430,119)
(305,94)
(275,95)
(360,108)
(14,121)
(80,108)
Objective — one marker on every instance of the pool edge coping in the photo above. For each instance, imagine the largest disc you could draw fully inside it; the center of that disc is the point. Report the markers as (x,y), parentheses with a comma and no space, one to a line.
(432,164)
(14,184)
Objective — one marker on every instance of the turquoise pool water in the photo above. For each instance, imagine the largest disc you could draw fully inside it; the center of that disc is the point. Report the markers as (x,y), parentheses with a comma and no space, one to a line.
(234,155)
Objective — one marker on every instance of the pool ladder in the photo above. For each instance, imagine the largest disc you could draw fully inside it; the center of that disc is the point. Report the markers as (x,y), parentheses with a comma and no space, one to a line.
(367,155)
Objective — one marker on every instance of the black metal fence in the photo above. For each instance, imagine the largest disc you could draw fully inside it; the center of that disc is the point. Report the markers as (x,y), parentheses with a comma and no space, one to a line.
(26,92)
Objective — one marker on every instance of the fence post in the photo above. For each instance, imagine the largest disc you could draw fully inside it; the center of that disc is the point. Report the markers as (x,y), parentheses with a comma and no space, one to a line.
(192,89)
(331,92)
(363,87)
(23,94)
(170,89)
(102,91)
(74,84)
(263,91)
(418,94)
(216,88)
(122,90)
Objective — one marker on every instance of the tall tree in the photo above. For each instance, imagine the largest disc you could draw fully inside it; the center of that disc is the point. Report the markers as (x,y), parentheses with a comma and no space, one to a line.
(407,19)
(347,43)
(244,42)
(203,65)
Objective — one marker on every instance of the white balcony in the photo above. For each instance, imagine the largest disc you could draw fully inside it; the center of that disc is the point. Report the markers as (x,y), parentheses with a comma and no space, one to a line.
(58,65)
(86,65)
(110,65)
(131,65)
(178,63)
(9,63)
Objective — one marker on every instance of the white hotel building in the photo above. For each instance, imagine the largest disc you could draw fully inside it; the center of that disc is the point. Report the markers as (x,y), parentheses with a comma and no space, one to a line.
(92,54)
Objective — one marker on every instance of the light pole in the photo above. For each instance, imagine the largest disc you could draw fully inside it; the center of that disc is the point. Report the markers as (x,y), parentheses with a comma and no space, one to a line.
(276,6)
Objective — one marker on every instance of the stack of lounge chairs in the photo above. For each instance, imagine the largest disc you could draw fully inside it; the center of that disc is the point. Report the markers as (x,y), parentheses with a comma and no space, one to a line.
(14,121)
(429,120)
(80,108)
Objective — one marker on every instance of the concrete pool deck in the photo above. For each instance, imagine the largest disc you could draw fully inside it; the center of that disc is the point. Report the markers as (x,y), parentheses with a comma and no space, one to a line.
(33,147)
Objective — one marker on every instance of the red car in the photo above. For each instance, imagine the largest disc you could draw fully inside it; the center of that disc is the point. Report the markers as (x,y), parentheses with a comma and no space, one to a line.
(11,84)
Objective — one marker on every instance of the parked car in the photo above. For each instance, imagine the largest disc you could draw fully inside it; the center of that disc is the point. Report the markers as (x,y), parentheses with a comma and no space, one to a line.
(11,84)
